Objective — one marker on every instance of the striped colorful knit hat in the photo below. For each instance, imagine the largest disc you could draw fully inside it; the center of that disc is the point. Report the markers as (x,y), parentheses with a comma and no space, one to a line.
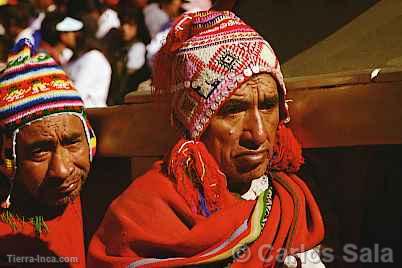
(207,56)
(32,87)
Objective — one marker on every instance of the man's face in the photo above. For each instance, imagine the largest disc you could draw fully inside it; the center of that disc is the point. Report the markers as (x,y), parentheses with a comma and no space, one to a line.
(241,135)
(53,159)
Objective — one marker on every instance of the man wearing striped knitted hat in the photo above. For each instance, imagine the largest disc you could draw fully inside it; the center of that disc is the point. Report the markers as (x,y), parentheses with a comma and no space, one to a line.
(226,194)
(46,149)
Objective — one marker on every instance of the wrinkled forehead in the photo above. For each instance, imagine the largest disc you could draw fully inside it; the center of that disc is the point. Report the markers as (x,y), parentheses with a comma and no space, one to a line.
(263,84)
(54,126)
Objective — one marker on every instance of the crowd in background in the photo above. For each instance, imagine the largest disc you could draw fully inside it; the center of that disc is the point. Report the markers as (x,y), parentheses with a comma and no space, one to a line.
(105,46)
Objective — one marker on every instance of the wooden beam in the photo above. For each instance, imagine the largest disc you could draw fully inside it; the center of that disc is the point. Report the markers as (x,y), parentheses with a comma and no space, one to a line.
(335,110)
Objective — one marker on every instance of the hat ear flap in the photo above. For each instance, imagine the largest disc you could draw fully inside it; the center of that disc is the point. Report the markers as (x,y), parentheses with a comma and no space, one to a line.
(7,160)
(91,140)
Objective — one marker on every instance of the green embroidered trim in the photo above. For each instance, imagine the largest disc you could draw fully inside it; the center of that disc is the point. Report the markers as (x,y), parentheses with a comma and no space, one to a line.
(18,61)
(268,194)
(17,223)
(8,218)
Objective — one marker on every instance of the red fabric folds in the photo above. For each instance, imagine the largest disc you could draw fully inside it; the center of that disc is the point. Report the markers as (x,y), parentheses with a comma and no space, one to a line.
(152,220)
(65,238)
(196,173)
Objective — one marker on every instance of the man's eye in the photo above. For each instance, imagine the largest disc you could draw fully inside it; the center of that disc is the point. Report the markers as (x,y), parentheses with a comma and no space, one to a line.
(38,153)
(231,109)
(72,141)
(267,105)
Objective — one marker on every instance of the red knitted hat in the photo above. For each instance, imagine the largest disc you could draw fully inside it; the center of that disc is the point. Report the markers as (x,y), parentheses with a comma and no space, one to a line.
(207,56)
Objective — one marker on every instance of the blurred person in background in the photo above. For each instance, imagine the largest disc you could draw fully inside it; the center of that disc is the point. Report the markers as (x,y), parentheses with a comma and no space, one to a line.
(108,18)
(172,8)
(187,6)
(3,52)
(16,19)
(131,67)
(3,42)
(89,69)
(137,4)
(59,36)
(43,7)
(196,5)
(159,14)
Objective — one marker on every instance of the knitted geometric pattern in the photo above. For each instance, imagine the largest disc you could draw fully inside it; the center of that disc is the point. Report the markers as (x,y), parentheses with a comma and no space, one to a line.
(33,86)
(206,57)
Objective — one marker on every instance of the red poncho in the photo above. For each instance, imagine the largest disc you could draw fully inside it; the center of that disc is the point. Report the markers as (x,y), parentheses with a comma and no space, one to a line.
(152,225)
(64,238)
(158,220)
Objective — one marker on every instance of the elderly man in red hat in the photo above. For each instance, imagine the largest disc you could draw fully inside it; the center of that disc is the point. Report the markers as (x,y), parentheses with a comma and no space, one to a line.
(226,194)
(46,148)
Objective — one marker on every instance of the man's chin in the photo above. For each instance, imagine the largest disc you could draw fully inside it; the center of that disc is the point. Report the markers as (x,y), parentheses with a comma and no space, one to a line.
(242,182)
(253,172)
(63,201)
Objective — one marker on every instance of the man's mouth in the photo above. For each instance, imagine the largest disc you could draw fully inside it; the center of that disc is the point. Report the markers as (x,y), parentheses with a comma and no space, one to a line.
(56,195)
(69,187)
(249,160)
(68,192)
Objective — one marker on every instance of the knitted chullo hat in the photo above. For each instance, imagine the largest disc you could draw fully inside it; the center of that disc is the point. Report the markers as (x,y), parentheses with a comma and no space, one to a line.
(33,87)
(206,57)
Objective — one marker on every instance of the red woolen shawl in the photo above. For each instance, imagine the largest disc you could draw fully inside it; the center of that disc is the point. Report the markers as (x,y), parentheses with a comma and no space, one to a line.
(156,223)
(65,238)
(152,220)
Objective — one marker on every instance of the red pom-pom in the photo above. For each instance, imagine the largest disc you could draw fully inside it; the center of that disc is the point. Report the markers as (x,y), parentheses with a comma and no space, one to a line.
(287,151)
(196,172)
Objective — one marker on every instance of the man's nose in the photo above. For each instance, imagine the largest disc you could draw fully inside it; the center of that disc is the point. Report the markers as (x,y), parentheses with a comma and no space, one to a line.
(254,132)
(61,164)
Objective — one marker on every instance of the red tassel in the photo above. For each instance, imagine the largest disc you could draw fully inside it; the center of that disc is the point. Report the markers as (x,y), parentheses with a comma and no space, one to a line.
(287,151)
(195,171)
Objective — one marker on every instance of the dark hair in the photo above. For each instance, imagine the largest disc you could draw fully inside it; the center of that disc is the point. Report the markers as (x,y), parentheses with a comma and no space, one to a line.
(135,16)
(165,2)
(19,15)
(48,28)
(86,40)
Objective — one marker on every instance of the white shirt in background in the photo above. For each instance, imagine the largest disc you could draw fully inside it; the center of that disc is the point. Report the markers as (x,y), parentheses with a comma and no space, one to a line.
(156,43)
(91,74)
(107,21)
(2,30)
(155,18)
(65,56)
(37,22)
(136,56)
